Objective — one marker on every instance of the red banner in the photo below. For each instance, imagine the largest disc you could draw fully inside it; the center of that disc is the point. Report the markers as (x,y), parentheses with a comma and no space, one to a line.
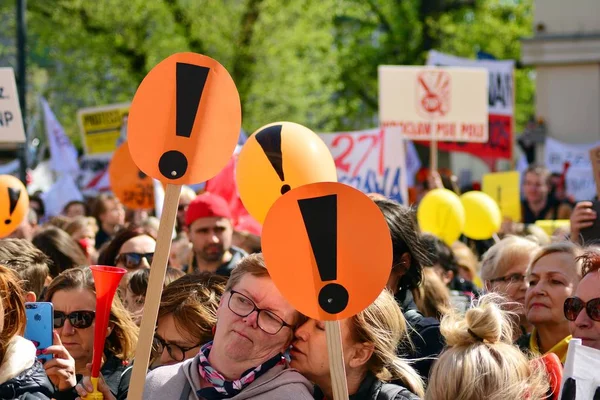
(499,145)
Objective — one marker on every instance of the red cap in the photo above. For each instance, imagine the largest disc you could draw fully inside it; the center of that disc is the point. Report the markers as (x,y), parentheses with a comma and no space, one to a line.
(207,205)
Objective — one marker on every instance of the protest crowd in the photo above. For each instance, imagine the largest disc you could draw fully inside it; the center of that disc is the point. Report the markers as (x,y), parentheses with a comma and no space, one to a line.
(173,256)
(462,321)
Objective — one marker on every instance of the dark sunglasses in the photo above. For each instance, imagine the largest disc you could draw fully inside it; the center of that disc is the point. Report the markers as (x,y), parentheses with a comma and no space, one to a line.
(78,319)
(574,305)
(133,260)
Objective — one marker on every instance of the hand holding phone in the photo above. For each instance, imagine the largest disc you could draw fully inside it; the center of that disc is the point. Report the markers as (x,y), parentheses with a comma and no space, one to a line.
(60,369)
(39,327)
(584,222)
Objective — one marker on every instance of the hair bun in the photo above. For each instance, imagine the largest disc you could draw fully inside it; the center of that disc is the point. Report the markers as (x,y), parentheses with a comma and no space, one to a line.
(484,323)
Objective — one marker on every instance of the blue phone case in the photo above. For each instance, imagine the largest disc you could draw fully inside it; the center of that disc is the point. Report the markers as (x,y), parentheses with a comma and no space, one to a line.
(40,324)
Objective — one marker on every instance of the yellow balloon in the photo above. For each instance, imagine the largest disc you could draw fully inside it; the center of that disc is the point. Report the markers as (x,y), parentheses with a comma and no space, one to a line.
(277,158)
(442,214)
(483,216)
(14,204)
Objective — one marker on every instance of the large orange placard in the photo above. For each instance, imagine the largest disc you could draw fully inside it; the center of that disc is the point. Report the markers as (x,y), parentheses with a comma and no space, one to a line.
(133,187)
(184,120)
(328,249)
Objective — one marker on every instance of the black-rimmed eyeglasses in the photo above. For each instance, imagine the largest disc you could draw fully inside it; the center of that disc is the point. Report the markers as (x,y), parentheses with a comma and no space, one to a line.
(176,352)
(266,320)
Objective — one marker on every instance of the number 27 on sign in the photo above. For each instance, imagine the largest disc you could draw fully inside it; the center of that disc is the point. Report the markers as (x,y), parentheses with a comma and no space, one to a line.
(344,161)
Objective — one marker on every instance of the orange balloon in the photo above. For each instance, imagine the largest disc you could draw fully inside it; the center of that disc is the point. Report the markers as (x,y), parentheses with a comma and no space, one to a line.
(328,249)
(14,204)
(134,188)
(185,120)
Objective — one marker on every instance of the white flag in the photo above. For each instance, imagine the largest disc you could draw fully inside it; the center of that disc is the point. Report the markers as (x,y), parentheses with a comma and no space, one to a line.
(60,193)
(159,198)
(63,155)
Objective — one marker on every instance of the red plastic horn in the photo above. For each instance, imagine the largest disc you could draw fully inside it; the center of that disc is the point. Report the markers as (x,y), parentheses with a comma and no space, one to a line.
(106,280)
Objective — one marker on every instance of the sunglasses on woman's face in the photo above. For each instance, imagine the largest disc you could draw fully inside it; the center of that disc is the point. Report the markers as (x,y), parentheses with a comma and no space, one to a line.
(574,305)
(78,319)
(133,260)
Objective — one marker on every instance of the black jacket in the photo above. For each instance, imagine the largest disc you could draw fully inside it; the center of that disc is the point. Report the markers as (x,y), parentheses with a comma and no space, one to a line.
(33,383)
(424,332)
(372,388)
(116,374)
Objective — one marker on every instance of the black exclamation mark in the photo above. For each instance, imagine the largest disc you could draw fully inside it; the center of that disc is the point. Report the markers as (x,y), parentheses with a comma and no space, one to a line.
(320,219)
(270,141)
(13,199)
(569,390)
(190,80)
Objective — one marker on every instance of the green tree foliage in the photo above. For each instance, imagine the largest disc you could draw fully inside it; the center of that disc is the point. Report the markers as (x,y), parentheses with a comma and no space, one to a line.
(313,62)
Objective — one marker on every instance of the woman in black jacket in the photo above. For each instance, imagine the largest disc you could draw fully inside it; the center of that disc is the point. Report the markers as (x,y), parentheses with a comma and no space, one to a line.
(21,374)
(369,342)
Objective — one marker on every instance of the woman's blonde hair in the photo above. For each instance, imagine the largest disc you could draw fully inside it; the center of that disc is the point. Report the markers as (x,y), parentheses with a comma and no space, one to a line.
(383,325)
(465,258)
(569,248)
(123,338)
(480,361)
(78,223)
(504,254)
(434,297)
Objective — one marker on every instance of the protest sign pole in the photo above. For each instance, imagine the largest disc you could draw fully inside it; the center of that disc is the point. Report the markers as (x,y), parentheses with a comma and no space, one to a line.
(337,369)
(433,155)
(154,291)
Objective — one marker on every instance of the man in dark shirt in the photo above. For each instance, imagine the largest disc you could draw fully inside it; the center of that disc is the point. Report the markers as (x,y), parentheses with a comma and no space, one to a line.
(210,229)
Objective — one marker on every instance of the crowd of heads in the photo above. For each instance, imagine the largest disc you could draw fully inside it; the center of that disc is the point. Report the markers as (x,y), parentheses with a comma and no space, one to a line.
(453,321)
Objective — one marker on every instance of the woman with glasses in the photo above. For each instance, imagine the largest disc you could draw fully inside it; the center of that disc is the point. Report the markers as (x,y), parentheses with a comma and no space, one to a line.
(583,309)
(187,317)
(245,360)
(503,269)
(552,277)
(369,342)
(73,295)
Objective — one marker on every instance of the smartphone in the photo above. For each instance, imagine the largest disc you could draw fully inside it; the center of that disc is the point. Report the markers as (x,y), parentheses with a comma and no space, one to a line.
(39,327)
(591,235)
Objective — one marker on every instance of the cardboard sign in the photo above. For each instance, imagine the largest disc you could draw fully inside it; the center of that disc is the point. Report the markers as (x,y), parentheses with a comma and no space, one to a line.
(102,127)
(580,377)
(580,180)
(372,161)
(505,188)
(11,121)
(435,103)
(595,161)
(134,188)
(328,250)
(14,204)
(185,119)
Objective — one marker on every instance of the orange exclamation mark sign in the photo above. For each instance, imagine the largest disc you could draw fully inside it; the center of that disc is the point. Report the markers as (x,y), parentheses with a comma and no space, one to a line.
(190,81)
(320,219)
(13,199)
(270,141)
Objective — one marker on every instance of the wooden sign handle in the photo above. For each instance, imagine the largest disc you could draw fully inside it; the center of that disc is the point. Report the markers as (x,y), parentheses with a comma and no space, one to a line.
(433,155)
(336,360)
(154,292)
